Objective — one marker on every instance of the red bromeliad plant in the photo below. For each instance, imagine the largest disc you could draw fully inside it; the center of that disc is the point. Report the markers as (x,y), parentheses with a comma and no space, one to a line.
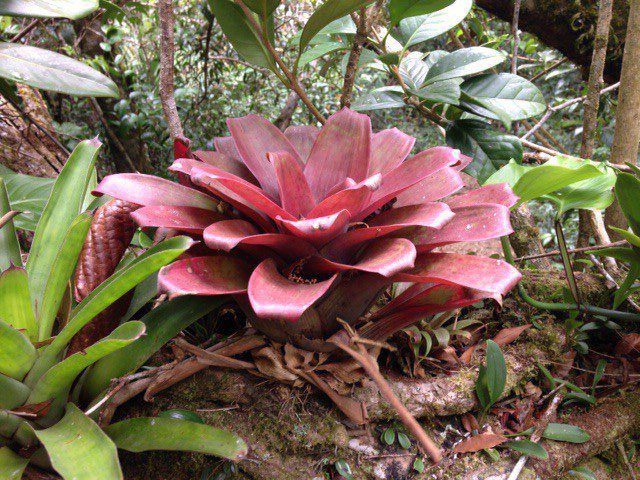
(306,227)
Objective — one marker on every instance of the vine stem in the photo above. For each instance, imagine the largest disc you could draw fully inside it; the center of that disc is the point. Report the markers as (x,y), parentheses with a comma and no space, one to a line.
(360,355)
(291,78)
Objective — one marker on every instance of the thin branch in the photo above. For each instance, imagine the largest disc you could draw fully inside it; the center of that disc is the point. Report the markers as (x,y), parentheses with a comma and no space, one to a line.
(515,33)
(572,250)
(25,31)
(293,80)
(354,57)
(454,38)
(4,219)
(111,134)
(549,69)
(165,16)
(606,275)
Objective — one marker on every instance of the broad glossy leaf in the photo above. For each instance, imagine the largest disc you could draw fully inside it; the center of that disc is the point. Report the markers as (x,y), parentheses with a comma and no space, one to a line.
(503,95)
(592,193)
(489,148)
(446,91)
(244,39)
(326,13)
(263,8)
(26,194)
(627,192)
(49,70)
(496,371)
(57,381)
(510,174)
(162,323)
(399,9)
(142,434)
(341,25)
(106,293)
(61,270)
(9,246)
(71,9)
(564,432)
(381,98)
(465,61)
(79,449)
(11,464)
(529,448)
(413,70)
(415,30)
(318,51)
(17,353)
(15,304)
(12,393)
(63,206)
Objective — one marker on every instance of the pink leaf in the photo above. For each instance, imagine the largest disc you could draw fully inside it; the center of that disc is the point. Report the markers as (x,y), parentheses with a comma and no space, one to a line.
(340,151)
(439,185)
(317,231)
(480,273)
(295,195)
(254,136)
(500,193)
(227,147)
(302,137)
(386,257)
(388,149)
(273,296)
(225,163)
(227,234)
(469,224)
(352,199)
(213,275)
(149,190)
(186,219)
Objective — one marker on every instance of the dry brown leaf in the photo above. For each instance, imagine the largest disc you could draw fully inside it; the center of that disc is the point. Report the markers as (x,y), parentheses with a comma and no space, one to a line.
(508,335)
(33,410)
(629,344)
(479,442)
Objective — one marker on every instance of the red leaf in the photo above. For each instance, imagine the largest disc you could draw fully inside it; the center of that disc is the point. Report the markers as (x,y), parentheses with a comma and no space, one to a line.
(508,335)
(479,442)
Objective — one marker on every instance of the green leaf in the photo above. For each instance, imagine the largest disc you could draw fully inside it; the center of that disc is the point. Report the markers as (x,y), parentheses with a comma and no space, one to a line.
(399,9)
(61,270)
(27,194)
(627,188)
(240,33)
(181,414)
(263,8)
(592,193)
(413,70)
(489,148)
(79,449)
(503,95)
(326,13)
(379,99)
(447,91)
(142,434)
(9,246)
(529,448)
(563,432)
(12,393)
(619,253)
(404,441)
(143,294)
(162,323)
(63,206)
(625,287)
(57,381)
(419,29)
(8,91)
(632,238)
(17,353)
(389,436)
(318,51)
(12,465)
(496,371)
(71,9)
(465,61)
(482,390)
(582,472)
(510,174)
(15,304)
(48,70)
(555,174)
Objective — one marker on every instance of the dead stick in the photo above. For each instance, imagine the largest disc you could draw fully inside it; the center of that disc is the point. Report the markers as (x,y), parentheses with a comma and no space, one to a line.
(573,250)
(165,17)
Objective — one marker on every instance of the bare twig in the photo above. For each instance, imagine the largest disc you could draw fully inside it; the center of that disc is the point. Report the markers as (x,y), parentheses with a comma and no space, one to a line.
(111,134)
(25,31)
(573,250)
(623,454)
(515,33)
(294,84)
(609,278)
(454,38)
(284,119)
(165,17)
(354,57)
(549,69)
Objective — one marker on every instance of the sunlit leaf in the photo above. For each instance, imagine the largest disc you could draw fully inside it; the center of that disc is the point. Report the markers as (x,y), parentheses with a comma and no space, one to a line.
(72,9)
(15,304)
(17,353)
(563,432)
(399,9)
(529,448)
(462,62)
(419,29)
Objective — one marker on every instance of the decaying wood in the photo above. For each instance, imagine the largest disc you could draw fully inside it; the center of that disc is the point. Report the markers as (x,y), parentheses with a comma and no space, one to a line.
(525,239)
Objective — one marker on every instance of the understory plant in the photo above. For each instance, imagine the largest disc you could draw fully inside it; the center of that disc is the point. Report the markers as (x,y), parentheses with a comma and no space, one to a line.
(42,387)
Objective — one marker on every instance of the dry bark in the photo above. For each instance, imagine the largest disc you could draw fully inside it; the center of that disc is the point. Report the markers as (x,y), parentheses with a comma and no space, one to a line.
(525,239)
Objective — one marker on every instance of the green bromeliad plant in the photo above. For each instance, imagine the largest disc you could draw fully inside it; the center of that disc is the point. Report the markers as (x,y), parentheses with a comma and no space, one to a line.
(43,351)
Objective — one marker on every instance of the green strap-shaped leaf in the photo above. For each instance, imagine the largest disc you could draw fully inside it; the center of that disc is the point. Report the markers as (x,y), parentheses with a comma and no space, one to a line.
(49,70)
(17,353)
(496,371)
(15,304)
(163,323)
(142,434)
(79,449)
(12,393)
(27,194)
(465,61)
(625,287)
(105,294)
(61,270)
(563,432)
(240,33)
(326,13)
(592,193)
(71,9)
(419,29)
(63,206)
(627,188)
(9,246)
(56,382)
(12,465)
(529,448)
